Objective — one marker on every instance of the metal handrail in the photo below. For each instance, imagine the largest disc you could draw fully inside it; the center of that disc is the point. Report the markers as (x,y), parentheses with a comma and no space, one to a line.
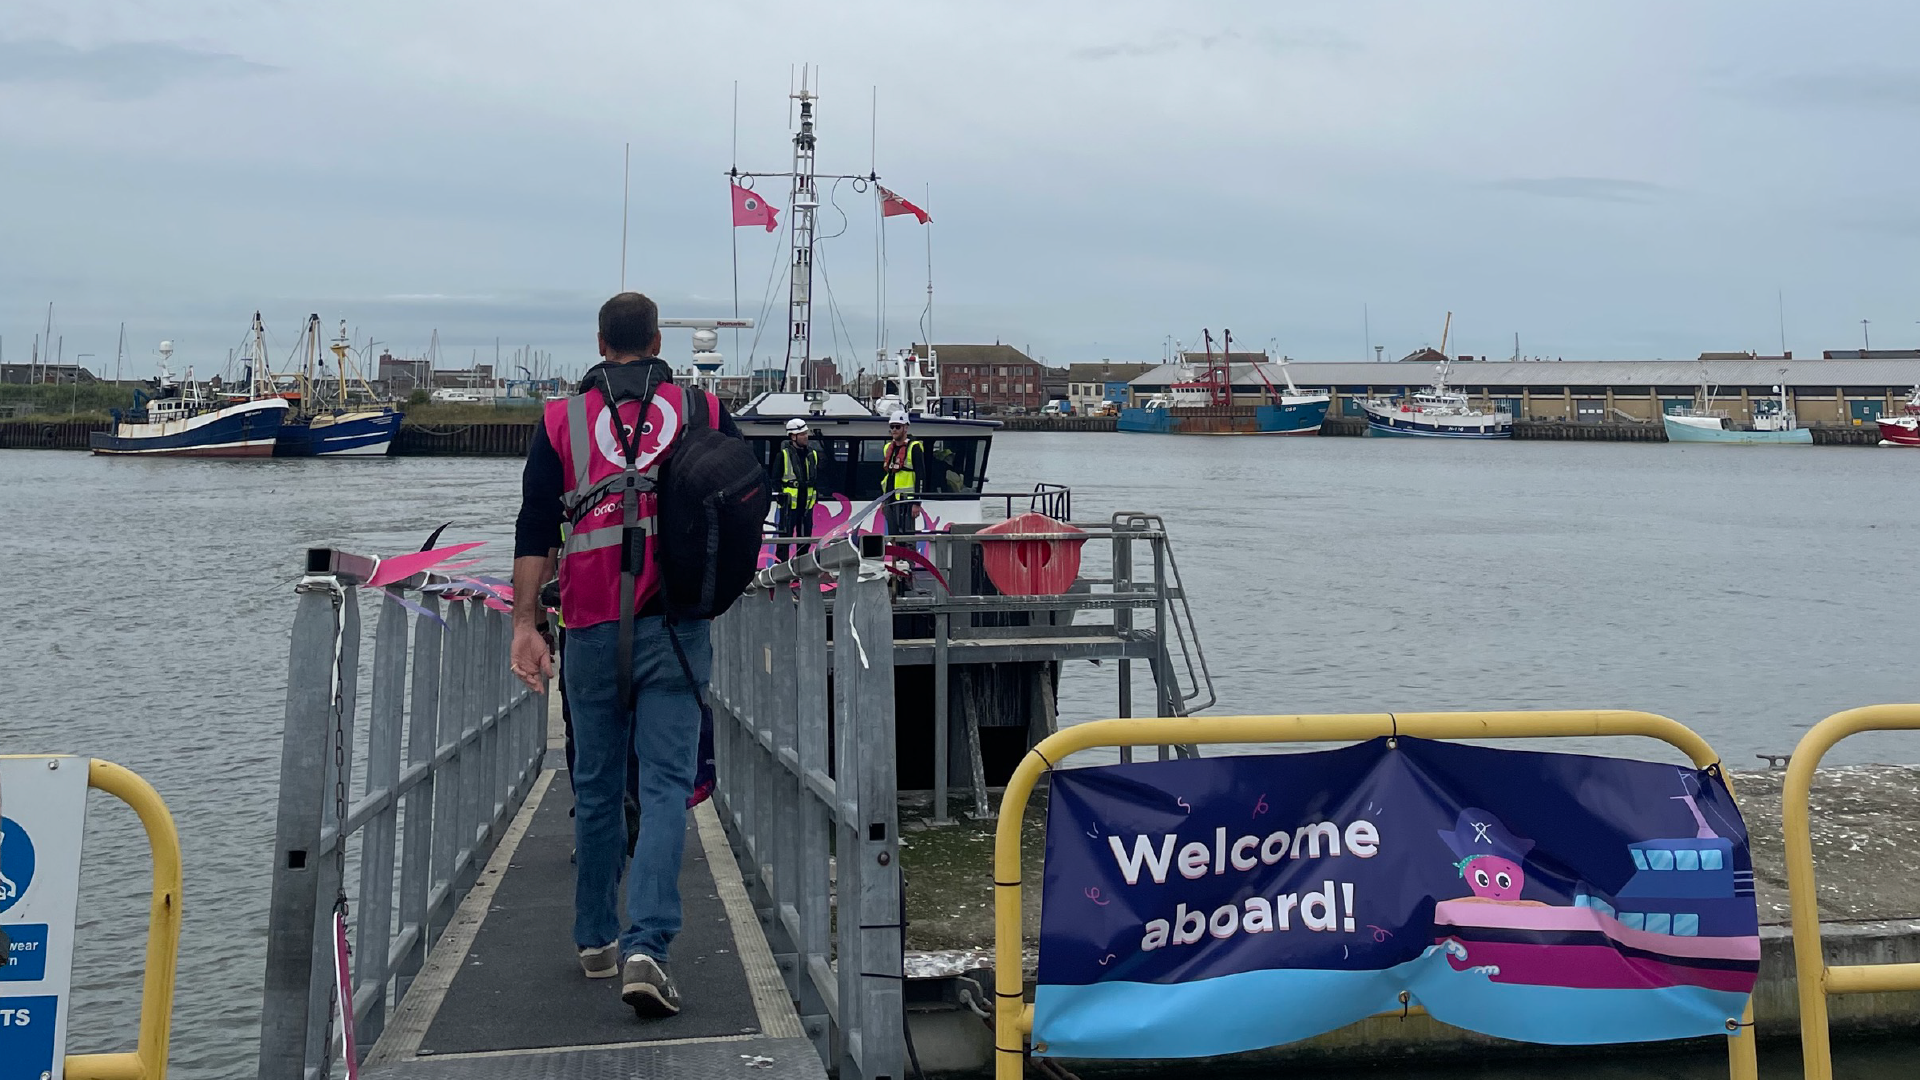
(452,746)
(1013,1017)
(1817,979)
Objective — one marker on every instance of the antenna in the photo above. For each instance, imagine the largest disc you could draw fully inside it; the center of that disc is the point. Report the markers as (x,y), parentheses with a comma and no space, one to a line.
(1780,301)
(626,175)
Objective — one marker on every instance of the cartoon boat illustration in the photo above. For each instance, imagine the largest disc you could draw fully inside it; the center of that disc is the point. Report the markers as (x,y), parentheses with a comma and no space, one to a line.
(1685,918)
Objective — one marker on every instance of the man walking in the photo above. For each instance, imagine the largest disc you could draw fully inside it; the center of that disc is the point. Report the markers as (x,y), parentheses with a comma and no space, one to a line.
(799,486)
(900,475)
(637,697)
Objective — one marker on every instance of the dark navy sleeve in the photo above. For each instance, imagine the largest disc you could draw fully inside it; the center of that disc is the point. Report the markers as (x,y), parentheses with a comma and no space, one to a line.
(537,530)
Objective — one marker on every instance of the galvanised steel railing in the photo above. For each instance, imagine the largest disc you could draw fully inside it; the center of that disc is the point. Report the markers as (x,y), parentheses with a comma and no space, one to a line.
(452,745)
(803,706)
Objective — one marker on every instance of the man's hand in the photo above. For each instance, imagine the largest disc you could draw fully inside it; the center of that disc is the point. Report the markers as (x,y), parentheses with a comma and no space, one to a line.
(532,660)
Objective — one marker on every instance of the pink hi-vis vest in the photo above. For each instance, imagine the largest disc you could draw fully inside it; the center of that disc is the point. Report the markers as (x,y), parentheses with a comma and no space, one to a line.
(581,430)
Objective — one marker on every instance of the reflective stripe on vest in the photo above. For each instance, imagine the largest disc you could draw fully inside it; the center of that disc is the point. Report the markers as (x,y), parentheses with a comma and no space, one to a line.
(582,433)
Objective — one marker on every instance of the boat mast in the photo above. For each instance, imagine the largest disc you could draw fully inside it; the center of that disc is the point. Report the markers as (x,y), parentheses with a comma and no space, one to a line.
(259,367)
(800,278)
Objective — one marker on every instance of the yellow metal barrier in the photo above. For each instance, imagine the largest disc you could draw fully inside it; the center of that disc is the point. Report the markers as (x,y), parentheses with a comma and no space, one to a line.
(1818,981)
(148,1061)
(1013,1017)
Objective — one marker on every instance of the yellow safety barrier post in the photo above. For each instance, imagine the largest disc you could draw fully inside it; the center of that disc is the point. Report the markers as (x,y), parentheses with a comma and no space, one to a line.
(148,1061)
(1013,1016)
(1817,980)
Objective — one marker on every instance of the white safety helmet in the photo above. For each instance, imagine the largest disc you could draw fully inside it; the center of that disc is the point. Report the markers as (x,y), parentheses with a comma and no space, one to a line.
(796,424)
(898,418)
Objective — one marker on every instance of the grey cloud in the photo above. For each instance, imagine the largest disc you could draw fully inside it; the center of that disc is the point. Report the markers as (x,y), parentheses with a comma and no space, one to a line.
(122,71)
(1270,41)
(1588,188)
(1870,88)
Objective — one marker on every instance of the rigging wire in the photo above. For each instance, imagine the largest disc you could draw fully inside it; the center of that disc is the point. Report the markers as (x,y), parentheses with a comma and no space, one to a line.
(833,311)
(766,299)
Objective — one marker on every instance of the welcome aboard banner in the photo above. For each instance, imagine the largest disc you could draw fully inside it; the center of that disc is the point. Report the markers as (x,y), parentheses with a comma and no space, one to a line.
(1216,905)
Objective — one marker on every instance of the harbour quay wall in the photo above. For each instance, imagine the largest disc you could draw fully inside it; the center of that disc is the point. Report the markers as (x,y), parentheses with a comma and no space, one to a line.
(50,434)
(463,440)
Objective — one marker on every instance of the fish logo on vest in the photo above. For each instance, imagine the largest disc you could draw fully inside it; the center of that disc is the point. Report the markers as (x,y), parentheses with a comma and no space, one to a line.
(662,424)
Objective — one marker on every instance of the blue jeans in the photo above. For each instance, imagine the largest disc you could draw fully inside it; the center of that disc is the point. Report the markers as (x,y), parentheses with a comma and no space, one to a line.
(664,731)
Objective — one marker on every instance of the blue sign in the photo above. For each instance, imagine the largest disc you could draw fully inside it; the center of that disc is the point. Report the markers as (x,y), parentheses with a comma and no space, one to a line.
(1120,393)
(27,1031)
(1218,905)
(16,863)
(24,958)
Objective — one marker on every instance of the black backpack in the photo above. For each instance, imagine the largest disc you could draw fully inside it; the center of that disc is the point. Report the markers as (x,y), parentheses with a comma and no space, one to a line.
(713,498)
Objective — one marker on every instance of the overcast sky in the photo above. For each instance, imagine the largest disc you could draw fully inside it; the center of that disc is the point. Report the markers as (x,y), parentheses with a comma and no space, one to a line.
(1608,180)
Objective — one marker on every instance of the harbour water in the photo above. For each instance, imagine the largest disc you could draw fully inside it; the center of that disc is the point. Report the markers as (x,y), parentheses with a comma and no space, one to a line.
(1746,591)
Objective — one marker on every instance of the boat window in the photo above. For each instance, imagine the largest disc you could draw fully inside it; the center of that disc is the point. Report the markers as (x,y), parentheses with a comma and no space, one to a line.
(1686,925)
(1659,859)
(1710,859)
(1659,922)
(954,465)
(1686,860)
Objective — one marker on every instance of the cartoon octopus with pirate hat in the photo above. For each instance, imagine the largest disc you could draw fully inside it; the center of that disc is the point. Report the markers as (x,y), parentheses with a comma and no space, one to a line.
(1490,856)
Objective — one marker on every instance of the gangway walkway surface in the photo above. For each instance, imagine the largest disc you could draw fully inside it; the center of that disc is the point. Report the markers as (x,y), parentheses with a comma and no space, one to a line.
(502,996)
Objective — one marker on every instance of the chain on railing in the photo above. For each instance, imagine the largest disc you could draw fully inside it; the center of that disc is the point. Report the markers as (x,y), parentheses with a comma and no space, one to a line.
(452,747)
(804,740)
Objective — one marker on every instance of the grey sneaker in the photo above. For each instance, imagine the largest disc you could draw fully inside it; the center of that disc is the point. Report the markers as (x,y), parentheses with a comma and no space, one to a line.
(645,985)
(600,963)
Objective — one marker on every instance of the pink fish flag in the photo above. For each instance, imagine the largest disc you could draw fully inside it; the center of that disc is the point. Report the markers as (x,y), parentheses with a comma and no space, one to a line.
(750,209)
(399,567)
(892,205)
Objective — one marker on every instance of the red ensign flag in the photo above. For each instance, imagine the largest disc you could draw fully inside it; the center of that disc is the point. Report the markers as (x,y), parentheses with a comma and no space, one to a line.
(892,205)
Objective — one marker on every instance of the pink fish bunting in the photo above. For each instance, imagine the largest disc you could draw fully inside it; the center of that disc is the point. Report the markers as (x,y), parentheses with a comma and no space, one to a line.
(401,567)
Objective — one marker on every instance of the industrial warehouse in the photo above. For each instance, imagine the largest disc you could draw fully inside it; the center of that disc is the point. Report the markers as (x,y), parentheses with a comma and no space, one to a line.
(1840,390)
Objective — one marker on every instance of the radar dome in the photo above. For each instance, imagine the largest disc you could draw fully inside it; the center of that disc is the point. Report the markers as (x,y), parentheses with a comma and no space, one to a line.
(705,340)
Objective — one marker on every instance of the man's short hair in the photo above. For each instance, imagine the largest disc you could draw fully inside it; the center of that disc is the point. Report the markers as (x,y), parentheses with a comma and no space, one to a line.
(628,324)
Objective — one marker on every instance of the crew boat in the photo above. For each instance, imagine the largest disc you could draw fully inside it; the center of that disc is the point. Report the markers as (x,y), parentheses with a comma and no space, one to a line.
(185,419)
(850,435)
(1903,430)
(344,419)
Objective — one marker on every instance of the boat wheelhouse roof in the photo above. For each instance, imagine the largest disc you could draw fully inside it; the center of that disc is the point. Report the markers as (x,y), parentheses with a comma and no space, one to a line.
(833,407)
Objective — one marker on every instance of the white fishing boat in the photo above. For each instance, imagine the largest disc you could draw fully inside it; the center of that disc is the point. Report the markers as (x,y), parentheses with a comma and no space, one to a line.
(1438,412)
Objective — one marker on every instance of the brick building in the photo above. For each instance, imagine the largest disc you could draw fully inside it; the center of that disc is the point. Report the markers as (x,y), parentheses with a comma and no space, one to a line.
(996,376)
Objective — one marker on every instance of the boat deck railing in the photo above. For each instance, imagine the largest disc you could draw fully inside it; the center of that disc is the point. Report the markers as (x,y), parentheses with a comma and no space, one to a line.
(451,748)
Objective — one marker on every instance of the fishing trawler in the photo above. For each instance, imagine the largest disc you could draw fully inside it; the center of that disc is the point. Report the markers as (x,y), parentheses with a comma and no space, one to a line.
(186,419)
(1437,411)
(1773,423)
(337,416)
(1684,918)
(1201,403)
(1903,430)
